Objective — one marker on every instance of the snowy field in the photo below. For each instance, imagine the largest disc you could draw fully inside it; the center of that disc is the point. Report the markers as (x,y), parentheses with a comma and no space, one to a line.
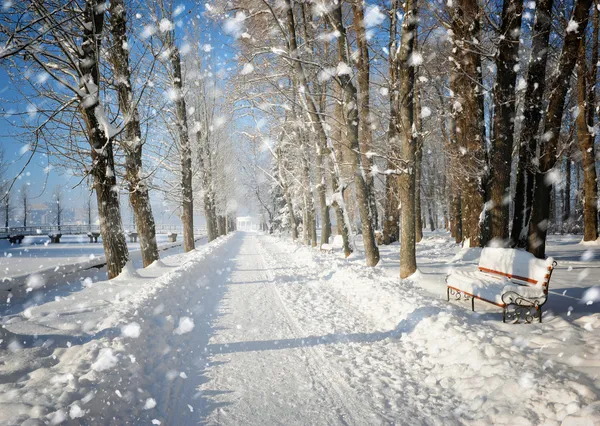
(37,263)
(36,253)
(254,330)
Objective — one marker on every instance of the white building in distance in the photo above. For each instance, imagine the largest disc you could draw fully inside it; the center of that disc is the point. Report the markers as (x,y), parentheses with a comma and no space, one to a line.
(248,223)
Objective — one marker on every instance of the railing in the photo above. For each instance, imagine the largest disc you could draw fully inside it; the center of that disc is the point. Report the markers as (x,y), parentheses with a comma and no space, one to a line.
(84,229)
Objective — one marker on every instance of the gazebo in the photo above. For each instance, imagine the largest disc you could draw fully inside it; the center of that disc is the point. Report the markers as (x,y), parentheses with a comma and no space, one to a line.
(248,223)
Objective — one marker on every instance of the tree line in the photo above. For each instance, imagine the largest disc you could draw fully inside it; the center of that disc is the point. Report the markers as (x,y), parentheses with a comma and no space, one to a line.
(121,93)
(392,116)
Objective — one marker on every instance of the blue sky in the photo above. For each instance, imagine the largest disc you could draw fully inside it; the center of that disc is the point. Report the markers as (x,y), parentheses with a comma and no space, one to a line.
(42,181)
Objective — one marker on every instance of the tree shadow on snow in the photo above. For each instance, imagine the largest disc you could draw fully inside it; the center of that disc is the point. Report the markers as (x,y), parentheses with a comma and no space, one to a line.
(405,326)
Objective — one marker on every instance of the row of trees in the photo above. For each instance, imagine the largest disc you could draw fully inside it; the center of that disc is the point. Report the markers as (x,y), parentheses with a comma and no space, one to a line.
(406,113)
(113,101)
(19,210)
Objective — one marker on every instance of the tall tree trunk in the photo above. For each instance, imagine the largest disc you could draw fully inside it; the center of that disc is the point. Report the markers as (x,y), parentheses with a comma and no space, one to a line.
(281,167)
(549,143)
(567,197)
(187,194)
(408,141)
(418,162)
(364,102)
(585,126)
(320,149)
(103,166)
(504,117)
(350,103)
(391,220)
(316,119)
(132,139)
(532,116)
(205,175)
(310,228)
(6,209)
(468,112)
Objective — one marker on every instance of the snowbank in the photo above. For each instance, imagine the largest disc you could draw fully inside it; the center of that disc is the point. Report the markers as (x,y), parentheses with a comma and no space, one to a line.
(75,356)
(455,366)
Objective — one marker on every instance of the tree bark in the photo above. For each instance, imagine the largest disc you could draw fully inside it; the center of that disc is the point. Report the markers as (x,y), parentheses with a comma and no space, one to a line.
(310,228)
(418,162)
(204,164)
(468,116)
(567,193)
(391,229)
(103,166)
(185,151)
(504,117)
(365,127)
(585,125)
(315,118)
(538,226)
(532,115)
(131,143)
(408,141)
(350,104)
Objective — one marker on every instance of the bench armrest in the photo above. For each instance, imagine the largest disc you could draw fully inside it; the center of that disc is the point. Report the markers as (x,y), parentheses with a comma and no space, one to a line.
(520,308)
(514,298)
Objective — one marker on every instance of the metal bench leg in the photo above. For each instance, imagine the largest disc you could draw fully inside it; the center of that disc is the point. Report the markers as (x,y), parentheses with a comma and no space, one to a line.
(504,314)
(448,294)
(473,303)
(540,311)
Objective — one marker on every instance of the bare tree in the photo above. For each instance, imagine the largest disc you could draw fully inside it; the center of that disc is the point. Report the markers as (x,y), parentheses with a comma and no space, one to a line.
(5,187)
(25,203)
(507,60)
(408,139)
(89,210)
(392,212)
(350,104)
(58,206)
(467,106)
(559,86)
(532,116)
(131,140)
(586,87)
(174,65)
(63,40)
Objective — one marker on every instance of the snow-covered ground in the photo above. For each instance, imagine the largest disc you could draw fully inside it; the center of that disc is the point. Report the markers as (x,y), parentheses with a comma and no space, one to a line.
(37,263)
(251,329)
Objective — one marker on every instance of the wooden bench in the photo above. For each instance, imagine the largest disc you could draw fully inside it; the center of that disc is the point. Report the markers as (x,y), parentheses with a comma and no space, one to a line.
(133,236)
(16,239)
(172,237)
(511,279)
(337,242)
(93,236)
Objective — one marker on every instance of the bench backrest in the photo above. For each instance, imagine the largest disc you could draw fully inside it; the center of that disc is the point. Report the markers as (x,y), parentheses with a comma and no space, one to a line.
(337,241)
(518,265)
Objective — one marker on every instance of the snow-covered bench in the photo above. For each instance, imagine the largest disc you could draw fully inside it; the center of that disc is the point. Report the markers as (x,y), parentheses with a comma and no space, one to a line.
(93,236)
(336,243)
(514,280)
(16,239)
(55,238)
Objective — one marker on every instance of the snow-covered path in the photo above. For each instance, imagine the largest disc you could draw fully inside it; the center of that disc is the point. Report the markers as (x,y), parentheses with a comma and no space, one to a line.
(266,364)
(253,330)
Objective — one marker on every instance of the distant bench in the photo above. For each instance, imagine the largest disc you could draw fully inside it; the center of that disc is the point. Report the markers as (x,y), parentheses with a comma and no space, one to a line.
(511,279)
(93,236)
(55,238)
(16,239)
(336,243)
